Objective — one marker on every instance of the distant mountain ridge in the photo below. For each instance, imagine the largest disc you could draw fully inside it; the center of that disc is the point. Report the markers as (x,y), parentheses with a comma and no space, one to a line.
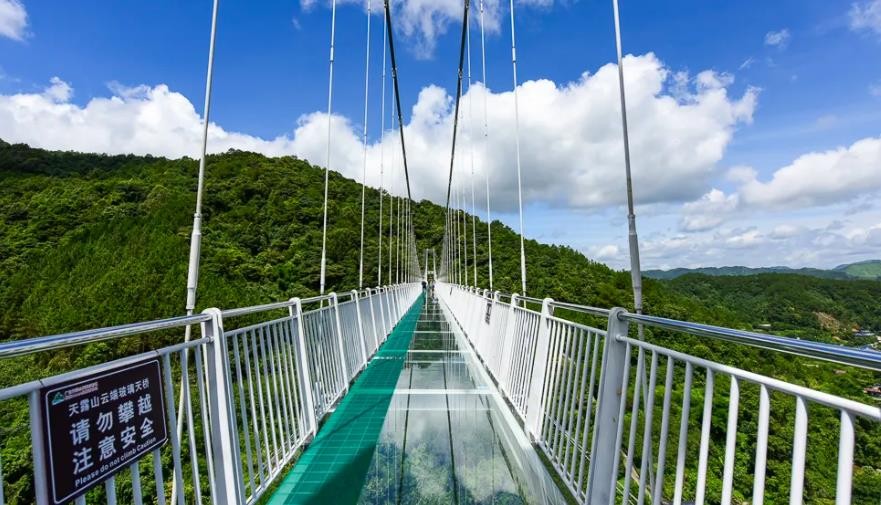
(869,269)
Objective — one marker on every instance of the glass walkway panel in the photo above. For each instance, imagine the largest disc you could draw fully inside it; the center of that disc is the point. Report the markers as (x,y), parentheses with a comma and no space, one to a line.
(419,425)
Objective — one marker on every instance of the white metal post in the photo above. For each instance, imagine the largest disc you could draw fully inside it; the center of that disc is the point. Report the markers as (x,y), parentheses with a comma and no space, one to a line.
(38,449)
(360,328)
(224,428)
(507,345)
(535,400)
(306,389)
(602,476)
(370,300)
(381,312)
(339,338)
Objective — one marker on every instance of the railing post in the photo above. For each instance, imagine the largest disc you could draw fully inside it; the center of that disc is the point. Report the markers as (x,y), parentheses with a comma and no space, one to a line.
(490,336)
(535,402)
(378,301)
(602,476)
(370,300)
(386,298)
(224,429)
(339,338)
(38,449)
(360,327)
(305,375)
(507,344)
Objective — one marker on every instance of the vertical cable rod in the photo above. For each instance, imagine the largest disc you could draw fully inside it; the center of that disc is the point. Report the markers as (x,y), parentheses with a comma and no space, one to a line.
(471,148)
(635,271)
(381,157)
(489,233)
(517,144)
(327,158)
(462,205)
(391,206)
(196,236)
(364,167)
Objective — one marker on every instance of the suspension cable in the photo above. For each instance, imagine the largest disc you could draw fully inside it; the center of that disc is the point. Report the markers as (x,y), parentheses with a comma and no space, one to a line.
(196,238)
(327,159)
(459,235)
(489,233)
(635,271)
(364,167)
(458,98)
(456,252)
(381,157)
(464,203)
(196,235)
(517,144)
(471,148)
(397,94)
(391,207)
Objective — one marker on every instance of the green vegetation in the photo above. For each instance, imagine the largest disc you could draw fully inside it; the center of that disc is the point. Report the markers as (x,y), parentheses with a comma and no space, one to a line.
(91,240)
(793,305)
(870,269)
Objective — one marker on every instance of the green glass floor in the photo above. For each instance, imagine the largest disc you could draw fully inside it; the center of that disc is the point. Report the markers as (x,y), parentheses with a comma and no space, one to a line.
(416,427)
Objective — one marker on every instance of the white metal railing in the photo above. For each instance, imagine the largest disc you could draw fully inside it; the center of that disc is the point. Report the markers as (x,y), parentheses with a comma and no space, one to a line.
(600,403)
(254,395)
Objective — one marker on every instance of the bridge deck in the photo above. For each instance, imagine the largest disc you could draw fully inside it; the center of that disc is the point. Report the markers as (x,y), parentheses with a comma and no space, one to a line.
(416,426)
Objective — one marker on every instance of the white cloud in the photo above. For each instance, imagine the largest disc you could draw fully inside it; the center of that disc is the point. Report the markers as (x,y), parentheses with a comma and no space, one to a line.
(708,212)
(866,16)
(745,238)
(570,135)
(818,178)
(13,19)
(784,231)
(422,22)
(58,91)
(747,63)
(605,252)
(822,245)
(778,39)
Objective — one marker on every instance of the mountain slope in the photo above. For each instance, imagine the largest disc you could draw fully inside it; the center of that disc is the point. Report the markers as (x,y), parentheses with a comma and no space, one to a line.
(870,269)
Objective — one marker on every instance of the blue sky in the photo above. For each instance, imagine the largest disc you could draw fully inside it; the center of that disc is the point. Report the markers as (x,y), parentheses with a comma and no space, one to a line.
(748,96)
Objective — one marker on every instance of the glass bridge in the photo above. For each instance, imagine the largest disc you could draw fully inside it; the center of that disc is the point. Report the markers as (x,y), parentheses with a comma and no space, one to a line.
(419,425)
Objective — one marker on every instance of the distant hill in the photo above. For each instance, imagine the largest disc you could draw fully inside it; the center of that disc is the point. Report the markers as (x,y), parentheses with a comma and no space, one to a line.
(870,269)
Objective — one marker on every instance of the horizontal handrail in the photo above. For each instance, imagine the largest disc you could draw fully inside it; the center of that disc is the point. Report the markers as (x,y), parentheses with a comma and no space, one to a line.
(242,311)
(266,307)
(585,309)
(62,340)
(835,353)
(37,344)
(806,348)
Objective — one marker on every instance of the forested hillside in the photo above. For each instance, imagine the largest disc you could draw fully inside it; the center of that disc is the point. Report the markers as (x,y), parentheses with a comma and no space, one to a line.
(794,305)
(91,240)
